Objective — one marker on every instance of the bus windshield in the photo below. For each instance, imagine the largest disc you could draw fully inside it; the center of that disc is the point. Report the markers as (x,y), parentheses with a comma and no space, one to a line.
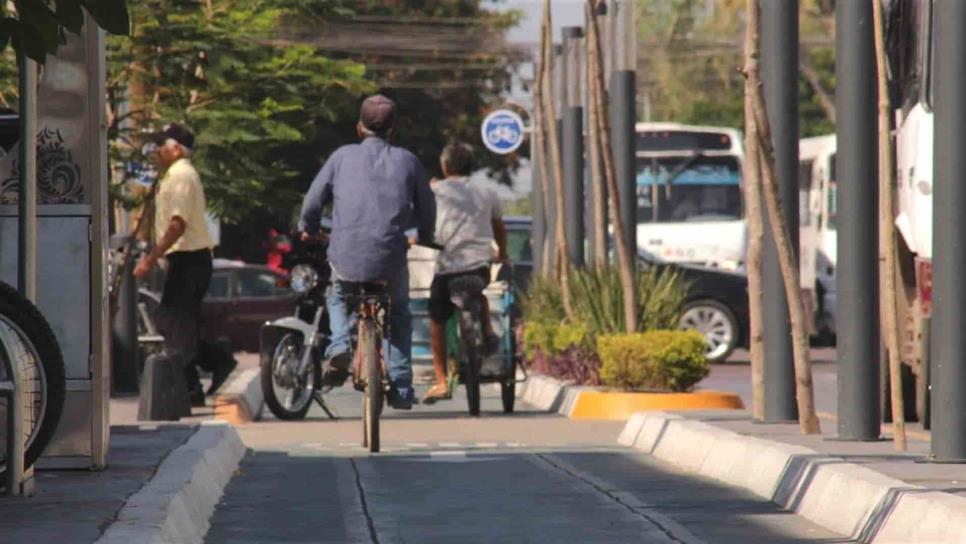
(688,189)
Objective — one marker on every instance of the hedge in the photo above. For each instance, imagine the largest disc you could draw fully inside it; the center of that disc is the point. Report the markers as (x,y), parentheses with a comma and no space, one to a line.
(653,360)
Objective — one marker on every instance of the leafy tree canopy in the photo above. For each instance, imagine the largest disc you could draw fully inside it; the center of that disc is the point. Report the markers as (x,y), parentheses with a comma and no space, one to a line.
(690,53)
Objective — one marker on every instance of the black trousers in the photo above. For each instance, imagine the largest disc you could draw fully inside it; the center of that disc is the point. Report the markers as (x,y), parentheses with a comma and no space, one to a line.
(189,273)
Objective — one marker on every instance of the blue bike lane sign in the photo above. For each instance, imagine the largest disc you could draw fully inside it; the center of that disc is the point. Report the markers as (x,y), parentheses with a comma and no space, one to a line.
(502,131)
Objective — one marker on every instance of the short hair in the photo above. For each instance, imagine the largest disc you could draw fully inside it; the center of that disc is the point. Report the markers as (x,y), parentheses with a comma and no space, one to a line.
(457,158)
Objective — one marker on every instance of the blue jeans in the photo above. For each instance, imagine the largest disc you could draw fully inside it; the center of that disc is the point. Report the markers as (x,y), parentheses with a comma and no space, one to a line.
(399,345)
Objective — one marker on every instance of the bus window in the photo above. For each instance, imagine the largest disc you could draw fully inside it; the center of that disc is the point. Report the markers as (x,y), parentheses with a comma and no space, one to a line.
(688,189)
(804,190)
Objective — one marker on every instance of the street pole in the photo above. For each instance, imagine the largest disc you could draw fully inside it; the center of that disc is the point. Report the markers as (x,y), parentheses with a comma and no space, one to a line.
(623,91)
(949,252)
(573,144)
(27,202)
(779,67)
(857,172)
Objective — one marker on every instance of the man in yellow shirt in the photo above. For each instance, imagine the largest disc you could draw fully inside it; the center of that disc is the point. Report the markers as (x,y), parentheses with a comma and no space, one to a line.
(181,238)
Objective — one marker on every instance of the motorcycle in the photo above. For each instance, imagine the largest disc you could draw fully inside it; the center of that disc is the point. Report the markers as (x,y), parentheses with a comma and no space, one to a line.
(292,347)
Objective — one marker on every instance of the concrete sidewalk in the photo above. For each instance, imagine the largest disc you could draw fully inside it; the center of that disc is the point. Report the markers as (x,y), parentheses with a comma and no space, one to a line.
(82,503)
(865,490)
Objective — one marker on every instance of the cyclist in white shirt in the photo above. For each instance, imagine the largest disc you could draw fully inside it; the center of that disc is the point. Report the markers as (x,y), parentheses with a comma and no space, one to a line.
(468,222)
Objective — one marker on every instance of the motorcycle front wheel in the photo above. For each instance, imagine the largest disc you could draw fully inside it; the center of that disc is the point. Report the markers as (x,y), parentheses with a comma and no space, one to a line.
(38,355)
(288,394)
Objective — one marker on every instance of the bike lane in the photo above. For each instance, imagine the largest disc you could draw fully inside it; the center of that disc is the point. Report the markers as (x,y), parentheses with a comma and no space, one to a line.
(445,477)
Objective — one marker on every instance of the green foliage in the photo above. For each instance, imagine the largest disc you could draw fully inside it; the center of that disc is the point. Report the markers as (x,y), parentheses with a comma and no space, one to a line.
(694,53)
(598,298)
(661,360)
(37,28)
(552,339)
(543,302)
(253,105)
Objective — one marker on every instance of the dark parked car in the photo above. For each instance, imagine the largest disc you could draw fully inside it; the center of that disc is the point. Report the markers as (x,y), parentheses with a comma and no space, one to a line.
(717,302)
(241,298)
(716,306)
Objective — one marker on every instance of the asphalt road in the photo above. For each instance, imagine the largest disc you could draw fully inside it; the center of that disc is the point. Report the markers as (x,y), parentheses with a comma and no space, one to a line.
(446,477)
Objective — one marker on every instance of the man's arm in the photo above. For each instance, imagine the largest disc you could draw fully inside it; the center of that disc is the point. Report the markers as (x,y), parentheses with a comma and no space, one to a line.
(424,206)
(175,230)
(320,194)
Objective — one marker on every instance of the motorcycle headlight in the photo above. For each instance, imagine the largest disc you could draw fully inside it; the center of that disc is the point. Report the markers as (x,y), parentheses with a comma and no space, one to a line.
(304,278)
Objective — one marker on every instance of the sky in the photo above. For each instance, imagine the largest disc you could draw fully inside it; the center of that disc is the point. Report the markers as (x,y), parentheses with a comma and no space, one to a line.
(563,13)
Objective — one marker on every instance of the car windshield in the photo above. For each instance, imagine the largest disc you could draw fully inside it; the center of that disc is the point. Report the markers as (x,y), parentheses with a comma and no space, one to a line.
(688,189)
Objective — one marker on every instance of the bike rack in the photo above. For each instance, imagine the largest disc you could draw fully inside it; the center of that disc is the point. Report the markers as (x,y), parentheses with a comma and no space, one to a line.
(19,480)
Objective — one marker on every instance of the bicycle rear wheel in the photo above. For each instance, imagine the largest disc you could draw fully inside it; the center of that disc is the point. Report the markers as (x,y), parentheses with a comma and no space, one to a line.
(373,395)
(470,337)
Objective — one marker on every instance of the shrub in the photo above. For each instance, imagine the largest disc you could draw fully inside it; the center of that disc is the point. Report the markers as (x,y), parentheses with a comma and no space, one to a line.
(553,338)
(598,299)
(574,364)
(543,301)
(663,360)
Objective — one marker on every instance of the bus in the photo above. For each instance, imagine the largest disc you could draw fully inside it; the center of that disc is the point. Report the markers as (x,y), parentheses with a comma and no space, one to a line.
(818,239)
(689,203)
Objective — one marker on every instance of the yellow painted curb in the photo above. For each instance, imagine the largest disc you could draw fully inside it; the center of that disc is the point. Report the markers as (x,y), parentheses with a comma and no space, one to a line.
(620,406)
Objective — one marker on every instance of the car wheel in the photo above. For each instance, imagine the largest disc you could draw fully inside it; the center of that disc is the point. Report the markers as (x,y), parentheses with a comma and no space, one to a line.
(716,322)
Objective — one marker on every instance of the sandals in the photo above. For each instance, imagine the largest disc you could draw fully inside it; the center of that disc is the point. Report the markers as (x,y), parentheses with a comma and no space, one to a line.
(437,392)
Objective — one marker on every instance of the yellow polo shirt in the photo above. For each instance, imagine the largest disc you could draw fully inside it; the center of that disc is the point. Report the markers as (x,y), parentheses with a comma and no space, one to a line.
(180,194)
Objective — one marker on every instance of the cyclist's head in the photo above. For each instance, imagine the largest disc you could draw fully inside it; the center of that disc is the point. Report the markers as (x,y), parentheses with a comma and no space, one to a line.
(377,116)
(456,160)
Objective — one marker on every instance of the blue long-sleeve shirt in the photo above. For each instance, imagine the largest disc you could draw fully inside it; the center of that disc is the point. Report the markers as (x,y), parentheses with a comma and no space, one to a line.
(377,191)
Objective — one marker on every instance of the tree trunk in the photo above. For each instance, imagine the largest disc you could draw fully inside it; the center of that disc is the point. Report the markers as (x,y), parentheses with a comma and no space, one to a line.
(563,254)
(625,262)
(887,236)
(753,213)
(804,393)
(539,162)
(593,144)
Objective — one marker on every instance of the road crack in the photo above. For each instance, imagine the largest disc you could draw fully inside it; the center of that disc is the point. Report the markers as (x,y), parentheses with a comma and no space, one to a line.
(373,536)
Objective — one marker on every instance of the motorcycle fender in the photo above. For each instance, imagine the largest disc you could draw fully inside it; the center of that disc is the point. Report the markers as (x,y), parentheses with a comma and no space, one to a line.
(272,332)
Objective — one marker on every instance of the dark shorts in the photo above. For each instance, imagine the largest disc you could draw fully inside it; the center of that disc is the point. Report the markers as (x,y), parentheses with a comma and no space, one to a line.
(440,292)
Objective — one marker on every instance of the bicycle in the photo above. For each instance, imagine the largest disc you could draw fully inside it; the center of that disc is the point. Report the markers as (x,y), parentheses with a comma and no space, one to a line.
(370,376)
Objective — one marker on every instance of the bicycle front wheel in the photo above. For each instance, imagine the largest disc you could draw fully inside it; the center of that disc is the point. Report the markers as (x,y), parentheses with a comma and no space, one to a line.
(373,397)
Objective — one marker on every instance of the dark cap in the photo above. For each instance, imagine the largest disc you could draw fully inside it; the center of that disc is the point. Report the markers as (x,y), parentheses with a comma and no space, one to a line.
(377,113)
(176,132)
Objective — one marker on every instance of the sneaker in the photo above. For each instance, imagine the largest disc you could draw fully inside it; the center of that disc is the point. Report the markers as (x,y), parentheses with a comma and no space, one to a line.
(336,371)
(220,375)
(197,398)
(399,401)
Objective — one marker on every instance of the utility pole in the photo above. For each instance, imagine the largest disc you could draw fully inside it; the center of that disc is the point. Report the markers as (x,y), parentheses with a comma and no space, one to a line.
(779,66)
(949,253)
(573,143)
(857,172)
(623,92)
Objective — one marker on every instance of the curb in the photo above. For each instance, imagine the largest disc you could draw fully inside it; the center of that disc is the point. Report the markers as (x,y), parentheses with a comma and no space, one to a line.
(175,505)
(843,497)
(587,402)
(242,400)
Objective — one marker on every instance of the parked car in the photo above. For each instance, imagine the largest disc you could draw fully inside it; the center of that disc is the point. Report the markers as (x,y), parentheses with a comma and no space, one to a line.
(716,305)
(240,299)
